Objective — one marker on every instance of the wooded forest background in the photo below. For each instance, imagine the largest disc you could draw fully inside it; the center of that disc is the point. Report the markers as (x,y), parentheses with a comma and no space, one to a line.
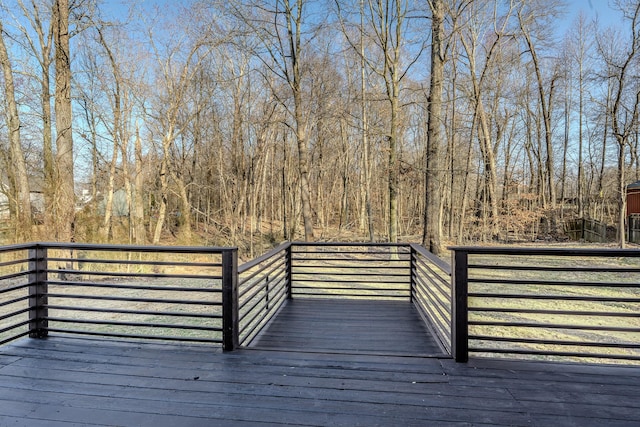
(250,122)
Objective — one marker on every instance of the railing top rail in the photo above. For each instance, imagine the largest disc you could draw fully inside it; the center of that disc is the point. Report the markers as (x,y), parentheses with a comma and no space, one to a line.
(525,251)
(431,257)
(131,248)
(16,247)
(350,244)
(256,261)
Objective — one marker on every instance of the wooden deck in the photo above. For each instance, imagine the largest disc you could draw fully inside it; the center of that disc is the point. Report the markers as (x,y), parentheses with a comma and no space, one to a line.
(359,379)
(349,326)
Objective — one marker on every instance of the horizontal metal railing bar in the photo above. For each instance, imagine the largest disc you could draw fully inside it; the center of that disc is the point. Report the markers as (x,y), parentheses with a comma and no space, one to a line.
(134,324)
(357,288)
(14,313)
(14,262)
(279,261)
(15,288)
(553,283)
(350,295)
(255,302)
(437,319)
(16,247)
(552,326)
(140,312)
(15,337)
(15,275)
(349,244)
(554,297)
(328,271)
(554,353)
(360,274)
(125,286)
(555,269)
(259,316)
(135,262)
(423,279)
(97,247)
(555,342)
(14,326)
(258,303)
(562,252)
(273,252)
(278,264)
(132,299)
(268,315)
(250,318)
(15,300)
(135,336)
(437,303)
(553,312)
(424,268)
(250,293)
(130,274)
(257,291)
(433,297)
(431,257)
(351,261)
(373,282)
(350,256)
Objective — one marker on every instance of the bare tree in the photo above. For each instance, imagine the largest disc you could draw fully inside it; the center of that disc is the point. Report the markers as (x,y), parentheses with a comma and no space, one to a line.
(623,109)
(36,14)
(17,168)
(432,222)
(529,17)
(284,43)
(64,201)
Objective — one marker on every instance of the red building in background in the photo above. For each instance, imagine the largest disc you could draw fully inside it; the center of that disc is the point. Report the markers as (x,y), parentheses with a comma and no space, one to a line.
(633,198)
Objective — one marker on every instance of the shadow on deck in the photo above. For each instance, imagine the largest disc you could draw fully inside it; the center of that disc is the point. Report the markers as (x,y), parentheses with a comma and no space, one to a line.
(349,326)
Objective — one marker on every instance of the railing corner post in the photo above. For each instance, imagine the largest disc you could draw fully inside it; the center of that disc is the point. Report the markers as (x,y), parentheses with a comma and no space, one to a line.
(289,272)
(412,271)
(230,315)
(460,318)
(38,290)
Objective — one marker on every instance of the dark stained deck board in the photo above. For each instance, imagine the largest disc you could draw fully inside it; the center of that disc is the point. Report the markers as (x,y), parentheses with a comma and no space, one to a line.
(67,381)
(332,325)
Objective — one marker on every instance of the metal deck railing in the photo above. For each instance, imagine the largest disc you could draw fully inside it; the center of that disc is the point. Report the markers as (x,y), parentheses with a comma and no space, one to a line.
(552,304)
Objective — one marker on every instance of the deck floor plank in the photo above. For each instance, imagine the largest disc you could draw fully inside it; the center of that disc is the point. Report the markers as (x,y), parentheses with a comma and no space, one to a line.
(63,381)
(386,327)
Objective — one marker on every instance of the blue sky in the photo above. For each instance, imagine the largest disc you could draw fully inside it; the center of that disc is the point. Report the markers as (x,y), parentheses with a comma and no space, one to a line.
(592,9)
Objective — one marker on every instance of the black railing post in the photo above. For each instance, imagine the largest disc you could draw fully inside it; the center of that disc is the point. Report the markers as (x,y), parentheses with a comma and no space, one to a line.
(38,292)
(412,271)
(289,273)
(230,324)
(460,317)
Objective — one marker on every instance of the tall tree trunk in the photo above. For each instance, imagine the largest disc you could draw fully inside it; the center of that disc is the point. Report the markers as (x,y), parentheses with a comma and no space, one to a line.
(546,101)
(18,167)
(622,194)
(139,234)
(366,153)
(65,195)
(162,212)
(431,235)
(393,167)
